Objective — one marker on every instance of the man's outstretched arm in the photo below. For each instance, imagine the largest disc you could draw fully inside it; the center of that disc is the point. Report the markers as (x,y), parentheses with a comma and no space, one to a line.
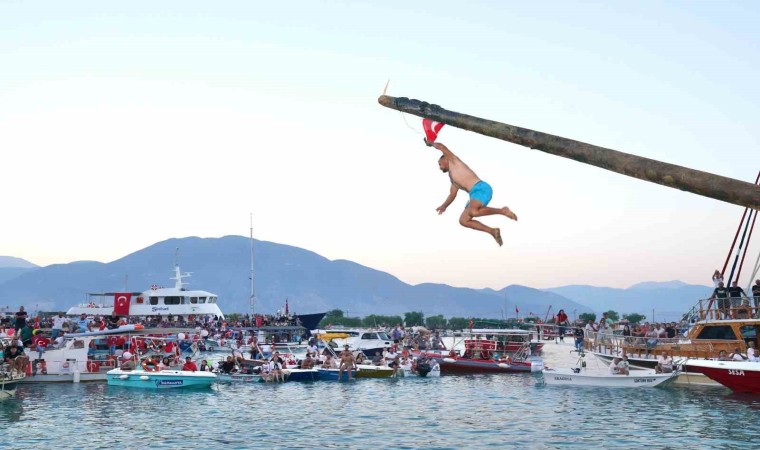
(441,147)
(452,195)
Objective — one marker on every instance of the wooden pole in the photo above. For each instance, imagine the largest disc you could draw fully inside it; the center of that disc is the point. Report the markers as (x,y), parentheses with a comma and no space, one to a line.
(670,175)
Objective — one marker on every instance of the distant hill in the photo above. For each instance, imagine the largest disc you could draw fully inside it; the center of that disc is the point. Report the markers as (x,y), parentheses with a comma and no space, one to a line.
(11,261)
(311,282)
(12,267)
(669,300)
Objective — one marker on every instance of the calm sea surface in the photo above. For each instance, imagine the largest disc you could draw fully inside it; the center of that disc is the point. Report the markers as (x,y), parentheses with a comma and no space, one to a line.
(449,412)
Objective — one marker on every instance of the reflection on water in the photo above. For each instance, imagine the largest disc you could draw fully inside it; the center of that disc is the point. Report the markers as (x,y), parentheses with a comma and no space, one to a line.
(447,412)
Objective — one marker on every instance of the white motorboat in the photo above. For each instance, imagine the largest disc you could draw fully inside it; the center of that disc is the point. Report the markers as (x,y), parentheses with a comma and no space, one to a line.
(582,377)
(164,379)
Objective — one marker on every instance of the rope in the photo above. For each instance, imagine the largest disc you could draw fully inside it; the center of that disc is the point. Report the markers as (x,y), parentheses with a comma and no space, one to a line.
(409,126)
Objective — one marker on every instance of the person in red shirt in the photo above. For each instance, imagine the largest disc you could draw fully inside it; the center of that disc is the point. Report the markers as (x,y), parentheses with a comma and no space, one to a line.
(561,322)
(189,365)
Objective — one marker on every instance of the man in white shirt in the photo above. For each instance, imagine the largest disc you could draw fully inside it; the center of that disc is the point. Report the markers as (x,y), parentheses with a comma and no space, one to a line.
(312,349)
(58,322)
(614,368)
(664,363)
(754,355)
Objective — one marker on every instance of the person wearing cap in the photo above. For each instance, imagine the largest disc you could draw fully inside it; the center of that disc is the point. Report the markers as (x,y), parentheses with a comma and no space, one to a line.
(189,365)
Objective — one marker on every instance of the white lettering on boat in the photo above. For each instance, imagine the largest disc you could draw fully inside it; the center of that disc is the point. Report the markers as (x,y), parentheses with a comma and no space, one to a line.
(644,380)
(736,372)
(563,378)
(169,383)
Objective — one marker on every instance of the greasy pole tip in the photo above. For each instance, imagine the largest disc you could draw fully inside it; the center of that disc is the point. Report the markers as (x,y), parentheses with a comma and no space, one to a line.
(386,100)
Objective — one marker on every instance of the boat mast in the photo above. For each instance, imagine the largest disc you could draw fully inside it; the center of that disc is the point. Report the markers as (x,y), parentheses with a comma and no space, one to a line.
(252,300)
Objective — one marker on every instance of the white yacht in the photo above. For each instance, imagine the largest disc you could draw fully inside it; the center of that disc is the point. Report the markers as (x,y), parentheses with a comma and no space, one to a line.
(177,301)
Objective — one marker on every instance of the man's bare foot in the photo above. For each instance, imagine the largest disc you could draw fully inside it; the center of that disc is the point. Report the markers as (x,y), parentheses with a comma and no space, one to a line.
(508,212)
(496,233)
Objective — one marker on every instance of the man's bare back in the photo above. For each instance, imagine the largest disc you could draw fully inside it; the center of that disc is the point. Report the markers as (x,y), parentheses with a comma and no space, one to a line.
(464,178)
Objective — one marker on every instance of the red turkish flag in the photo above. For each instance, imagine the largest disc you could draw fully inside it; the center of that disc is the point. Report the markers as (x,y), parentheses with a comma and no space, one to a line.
(121,304)
(431,129)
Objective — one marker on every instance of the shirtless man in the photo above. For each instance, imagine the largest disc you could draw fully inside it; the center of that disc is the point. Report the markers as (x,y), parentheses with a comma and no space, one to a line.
(462,177)
(347,362)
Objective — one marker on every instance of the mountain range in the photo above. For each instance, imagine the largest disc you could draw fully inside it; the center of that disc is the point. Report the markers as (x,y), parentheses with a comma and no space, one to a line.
(312,283)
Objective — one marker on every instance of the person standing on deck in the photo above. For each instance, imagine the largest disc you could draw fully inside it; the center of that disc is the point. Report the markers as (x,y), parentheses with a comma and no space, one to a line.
(735,294)
(756,296)
(462,177)
(721,294)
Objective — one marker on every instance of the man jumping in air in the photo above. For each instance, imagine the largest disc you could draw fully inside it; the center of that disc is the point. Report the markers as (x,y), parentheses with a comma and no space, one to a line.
(462,177)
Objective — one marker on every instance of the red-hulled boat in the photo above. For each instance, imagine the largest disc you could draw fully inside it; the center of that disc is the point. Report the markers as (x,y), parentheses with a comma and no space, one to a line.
(739,376)
(486,356)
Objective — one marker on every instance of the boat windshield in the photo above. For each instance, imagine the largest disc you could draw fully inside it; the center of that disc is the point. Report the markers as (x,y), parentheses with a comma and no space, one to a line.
(383,336)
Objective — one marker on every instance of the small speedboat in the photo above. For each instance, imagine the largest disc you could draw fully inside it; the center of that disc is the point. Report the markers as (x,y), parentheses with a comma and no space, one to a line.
(164,379)
(373,371)
(581,377)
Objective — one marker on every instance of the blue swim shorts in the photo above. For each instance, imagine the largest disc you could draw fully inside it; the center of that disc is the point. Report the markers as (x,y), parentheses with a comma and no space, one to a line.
(481,192)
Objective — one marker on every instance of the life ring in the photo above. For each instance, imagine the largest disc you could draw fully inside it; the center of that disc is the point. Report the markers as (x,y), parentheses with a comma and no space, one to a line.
(65,365)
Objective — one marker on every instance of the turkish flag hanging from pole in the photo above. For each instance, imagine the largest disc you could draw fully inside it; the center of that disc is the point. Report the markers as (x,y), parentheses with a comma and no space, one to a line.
(517,311)
(121,304)
(287,311)
(431,129)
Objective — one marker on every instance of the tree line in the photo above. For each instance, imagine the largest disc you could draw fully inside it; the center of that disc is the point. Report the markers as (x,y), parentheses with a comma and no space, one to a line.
(337,317)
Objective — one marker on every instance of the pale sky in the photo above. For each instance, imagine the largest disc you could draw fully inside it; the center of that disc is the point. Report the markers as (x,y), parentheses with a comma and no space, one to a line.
(125,124)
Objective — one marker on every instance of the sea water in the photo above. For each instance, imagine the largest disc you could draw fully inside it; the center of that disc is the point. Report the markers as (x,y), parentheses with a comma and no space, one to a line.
(450,412)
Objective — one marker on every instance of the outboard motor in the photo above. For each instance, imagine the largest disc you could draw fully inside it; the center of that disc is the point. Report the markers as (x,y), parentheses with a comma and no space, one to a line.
(423,367)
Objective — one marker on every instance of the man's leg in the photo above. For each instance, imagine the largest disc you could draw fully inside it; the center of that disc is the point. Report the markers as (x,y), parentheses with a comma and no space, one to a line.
(466,221)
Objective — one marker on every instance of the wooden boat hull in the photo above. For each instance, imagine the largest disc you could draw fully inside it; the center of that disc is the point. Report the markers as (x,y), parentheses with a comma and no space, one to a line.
(568,377)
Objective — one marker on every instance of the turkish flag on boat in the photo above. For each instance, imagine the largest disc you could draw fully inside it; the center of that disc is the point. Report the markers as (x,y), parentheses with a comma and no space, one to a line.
(431,129)
(517,311)
(287,310)
(121,304)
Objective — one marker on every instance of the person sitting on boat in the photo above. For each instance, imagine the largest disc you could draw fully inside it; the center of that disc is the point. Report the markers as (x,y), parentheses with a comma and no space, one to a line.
(614,368)
(151,364)
(128,363)
(312,348)
(623,365)
(753,355)
(347,363)
(736,355)
(378,359)
(664,363)
(361,358)
(308,362)
(723,356)
(189,365)
(329,363)
(228,366)
(651,340)
(14,356)
(205,366)
(275,368)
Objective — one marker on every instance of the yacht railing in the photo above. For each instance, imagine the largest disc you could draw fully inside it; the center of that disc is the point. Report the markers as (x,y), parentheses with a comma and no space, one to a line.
(642,347)
(724,308)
